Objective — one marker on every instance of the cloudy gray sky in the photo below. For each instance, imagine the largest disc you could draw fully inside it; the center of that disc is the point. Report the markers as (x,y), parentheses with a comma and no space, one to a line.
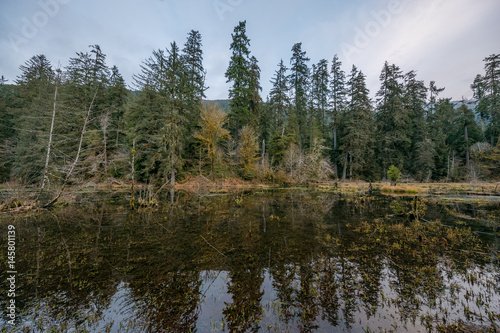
(444,40)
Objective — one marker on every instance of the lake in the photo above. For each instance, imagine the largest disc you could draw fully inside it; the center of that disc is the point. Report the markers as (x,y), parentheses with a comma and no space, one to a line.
(287,260)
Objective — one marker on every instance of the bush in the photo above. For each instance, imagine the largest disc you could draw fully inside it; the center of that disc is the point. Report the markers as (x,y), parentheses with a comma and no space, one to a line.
(393,174)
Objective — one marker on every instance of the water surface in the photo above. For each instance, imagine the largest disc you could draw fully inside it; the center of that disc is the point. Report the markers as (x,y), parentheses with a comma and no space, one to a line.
(277,261)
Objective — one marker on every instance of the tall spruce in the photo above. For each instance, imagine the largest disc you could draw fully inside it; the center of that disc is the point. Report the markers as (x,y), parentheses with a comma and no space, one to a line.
(279,99)
(238,73)
(299,83)
(358,127)
(392,119)
(320,91)
(415,100)
(487,90)
(337,106)
(35,96)
(192,54)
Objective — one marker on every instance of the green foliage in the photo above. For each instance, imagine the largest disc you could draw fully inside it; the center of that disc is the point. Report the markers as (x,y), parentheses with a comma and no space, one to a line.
(314,121)
(248,153)
(393,174)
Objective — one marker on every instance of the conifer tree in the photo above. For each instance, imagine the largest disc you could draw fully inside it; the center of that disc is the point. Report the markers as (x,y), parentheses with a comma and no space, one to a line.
(35,95)
(392,119)
(195,76)
(254,88)
(299,83)
(238,73)
(465,133)
(415,100)
(320,92)
(7,132)
(279,100)
(337,106)
(358,128)
(487,90)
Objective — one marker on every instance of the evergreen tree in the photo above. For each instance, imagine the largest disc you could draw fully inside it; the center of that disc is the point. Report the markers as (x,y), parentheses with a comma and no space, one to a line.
(238,73)
(35,96)
(320,92)
(415,100)
(358,129)
(392,119)
(299,82)
(487,90)
(158,115)
(195,76)
(279,100)
(465,133)
(85,96)
(254,88)
(440,124)
(337,106)
(7,132)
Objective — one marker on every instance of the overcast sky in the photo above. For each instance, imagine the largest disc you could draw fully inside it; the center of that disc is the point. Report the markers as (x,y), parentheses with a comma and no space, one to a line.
(444,40)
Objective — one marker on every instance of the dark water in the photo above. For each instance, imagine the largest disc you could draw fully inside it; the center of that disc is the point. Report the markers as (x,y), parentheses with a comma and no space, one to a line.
(281,261)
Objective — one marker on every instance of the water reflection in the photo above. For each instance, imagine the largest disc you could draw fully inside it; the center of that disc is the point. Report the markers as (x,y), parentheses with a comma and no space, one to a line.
(267,262)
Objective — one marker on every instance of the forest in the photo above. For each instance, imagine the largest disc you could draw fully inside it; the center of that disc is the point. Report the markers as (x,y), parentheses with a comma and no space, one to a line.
(81,123)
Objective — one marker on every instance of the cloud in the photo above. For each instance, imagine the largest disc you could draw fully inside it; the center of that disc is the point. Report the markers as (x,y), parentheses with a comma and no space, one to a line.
(443,40)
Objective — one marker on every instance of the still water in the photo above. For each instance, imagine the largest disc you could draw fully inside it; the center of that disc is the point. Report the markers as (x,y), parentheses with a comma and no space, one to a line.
(274,261)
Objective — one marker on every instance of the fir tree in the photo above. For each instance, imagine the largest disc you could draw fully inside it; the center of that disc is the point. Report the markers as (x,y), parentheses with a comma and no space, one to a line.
(35,95)
(238,73)
(279,100)
(320,94)
(337,106)
(392,119)
(299,82)
(358,129)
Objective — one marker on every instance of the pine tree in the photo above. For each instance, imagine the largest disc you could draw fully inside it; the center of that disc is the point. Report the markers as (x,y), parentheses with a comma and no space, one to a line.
(158,115)
(85,96)
(299,82)
(254,88)
(279,100)
(415,100)
(358,129)
(465,133)
(487,90)
(195,76)
(238,73)
(8,134)
(337,106)
(35,95)
(320,92)
(392,119)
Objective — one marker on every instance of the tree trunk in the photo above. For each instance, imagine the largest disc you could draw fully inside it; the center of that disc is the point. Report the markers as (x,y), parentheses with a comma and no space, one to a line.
(335,167)
(344,173)
(172,170)
(263,151)
(467,153)
(104,125)
(82,134)
(49,144)
(133,165)
(237,139)
(350,166)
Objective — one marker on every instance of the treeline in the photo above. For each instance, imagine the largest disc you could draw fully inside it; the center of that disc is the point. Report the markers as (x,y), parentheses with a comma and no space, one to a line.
(80,123)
